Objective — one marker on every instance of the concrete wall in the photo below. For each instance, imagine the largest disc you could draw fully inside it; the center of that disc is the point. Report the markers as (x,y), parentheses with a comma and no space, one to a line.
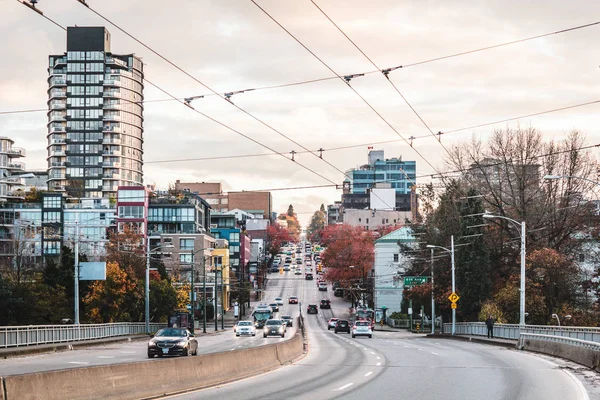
(588,356)
(150,378)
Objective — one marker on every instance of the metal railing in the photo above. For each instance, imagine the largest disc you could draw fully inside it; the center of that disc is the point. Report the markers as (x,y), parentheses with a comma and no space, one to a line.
(558,339)
(513,331)
(19,336)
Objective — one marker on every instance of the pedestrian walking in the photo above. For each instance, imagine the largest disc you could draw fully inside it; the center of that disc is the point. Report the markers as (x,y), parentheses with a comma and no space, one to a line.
(490,326)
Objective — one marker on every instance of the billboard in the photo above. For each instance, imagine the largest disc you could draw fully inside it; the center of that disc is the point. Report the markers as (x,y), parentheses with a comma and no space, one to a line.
(92,271)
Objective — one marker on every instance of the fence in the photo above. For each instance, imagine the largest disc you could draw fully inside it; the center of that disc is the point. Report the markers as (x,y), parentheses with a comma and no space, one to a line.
(18,336)
(405,323)
(513,331)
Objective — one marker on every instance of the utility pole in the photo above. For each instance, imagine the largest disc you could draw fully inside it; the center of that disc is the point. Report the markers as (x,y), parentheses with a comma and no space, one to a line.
(432,299)
(193,294)
(147,286)
(453,284)
(76,294)
(216,297)
(222,302)
(204,295)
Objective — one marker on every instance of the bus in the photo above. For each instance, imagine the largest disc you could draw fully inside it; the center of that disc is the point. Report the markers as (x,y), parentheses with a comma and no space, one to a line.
(365,313)
(261,314)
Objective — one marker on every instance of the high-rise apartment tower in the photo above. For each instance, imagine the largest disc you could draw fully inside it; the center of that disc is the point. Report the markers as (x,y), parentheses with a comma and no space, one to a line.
(95,117)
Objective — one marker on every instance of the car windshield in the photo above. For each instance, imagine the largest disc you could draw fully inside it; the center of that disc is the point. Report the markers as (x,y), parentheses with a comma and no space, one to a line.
(245,323)
(171,332)
(286,317)
(362,323)
(273,322)
(277,298)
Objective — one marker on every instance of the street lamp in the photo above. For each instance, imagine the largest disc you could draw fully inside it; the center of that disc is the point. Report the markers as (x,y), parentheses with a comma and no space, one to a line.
(556,177)
(567,317)
(451,251)
(523,253)
(362,283)
(432,299)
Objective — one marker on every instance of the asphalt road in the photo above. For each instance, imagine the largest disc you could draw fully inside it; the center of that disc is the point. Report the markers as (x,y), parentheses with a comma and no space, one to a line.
(400,365)
(134,351)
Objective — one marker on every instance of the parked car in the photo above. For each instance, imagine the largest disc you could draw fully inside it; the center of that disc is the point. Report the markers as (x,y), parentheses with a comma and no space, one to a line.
(288,320)
(362,328)
(172,342)
(293,300)
(274,327)
(312,309)
(339,292)
(342,325)
(325,304)
(331,323)
(245,328)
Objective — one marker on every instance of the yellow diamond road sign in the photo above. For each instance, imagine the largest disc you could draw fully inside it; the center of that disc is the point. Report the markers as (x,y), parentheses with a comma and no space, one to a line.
(453,305)
(453,297)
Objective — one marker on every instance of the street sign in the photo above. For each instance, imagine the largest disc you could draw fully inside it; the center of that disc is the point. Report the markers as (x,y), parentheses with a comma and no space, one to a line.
(453,297)
(453,305)
(410,281)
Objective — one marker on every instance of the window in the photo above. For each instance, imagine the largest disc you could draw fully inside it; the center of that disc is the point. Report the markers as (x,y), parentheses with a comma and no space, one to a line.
(396,257)
(131,212)
(51,216)
(234,249)
(131,195)
(51,247)
(234,237)
(185,258)
(581,257)
(359,220)
(367,220)
(53,202)
(186,244)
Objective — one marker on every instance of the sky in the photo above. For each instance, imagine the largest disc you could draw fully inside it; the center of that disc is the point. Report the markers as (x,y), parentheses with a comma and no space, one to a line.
(232,45)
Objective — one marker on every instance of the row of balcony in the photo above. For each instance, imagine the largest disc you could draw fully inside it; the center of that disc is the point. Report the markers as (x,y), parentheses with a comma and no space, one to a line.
(14,152)
(16,166)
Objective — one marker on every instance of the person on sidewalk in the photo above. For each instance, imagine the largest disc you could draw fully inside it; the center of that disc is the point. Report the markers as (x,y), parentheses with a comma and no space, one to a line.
(490,326)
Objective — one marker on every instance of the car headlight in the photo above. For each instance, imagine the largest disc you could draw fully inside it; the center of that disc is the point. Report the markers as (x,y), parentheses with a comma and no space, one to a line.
(152,344)
(183,343)
(265,329)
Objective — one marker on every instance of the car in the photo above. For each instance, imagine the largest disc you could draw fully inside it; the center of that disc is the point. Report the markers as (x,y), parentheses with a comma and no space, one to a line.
(172,342)
(325,304)
(293,300)
(286,267)
(298,272)
(339,292)
(342,325)
(322,286)
(274,307)
(362,328)
(331,323)
(298,261)
(312,309)
(235,324)
(274,269)
(308,276)
(274,327)
(288,320)
(279,301)
(298,251)
(245,328)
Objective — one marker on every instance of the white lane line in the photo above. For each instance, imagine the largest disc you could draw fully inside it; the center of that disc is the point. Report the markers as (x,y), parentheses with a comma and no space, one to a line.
(433,352)
(582,390)
(347,385)
(420,349)
(78,362)
(365,348)
(378,364)
(232,350)
(106,356)
(372,353)
(127,352)
(368,373)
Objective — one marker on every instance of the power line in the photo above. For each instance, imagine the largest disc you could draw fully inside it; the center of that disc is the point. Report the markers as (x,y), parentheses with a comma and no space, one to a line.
(203,114)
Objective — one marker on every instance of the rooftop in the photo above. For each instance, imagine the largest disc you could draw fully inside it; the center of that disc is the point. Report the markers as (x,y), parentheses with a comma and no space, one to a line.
(404,235)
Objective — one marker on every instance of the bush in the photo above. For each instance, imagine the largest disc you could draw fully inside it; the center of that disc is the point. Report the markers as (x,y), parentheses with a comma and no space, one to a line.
(397,315)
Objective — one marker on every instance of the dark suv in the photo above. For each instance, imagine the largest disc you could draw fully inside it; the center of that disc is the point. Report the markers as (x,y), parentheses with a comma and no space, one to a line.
(342,325)
(325,304)
(308,276)
(312,309)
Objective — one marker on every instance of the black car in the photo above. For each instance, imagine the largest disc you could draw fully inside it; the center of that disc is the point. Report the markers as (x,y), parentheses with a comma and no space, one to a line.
(172,342)
(288,320)
(342,325)
(308,276)
(274,307)
(325,304)
(339,292)
(312,309)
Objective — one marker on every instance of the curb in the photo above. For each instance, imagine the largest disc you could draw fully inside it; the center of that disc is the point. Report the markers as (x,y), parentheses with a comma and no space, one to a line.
(491,342)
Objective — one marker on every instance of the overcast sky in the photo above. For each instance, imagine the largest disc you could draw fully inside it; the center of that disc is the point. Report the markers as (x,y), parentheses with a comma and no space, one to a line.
(232,45)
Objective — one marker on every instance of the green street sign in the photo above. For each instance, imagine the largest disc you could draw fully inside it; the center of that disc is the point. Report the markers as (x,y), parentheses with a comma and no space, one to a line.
(410,281)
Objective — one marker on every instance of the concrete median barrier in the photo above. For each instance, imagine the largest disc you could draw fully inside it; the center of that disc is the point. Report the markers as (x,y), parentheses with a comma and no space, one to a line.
(580,351)
(150,378)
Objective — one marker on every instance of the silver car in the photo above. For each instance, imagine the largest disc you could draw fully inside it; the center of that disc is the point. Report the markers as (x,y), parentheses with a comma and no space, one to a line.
(245,328)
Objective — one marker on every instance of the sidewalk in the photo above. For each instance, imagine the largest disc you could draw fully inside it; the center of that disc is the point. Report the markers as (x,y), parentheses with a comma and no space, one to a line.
(508,343)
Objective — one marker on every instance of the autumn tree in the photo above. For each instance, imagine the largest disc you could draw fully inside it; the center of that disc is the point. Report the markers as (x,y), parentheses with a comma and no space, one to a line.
(276,237)
(317,224)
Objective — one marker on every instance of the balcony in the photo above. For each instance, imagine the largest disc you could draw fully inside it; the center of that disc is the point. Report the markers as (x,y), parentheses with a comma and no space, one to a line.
(57,141)
(15,152)
(58,164)
(114,152)
(108,128)
(57,128)
(60,61)
(57,116)
(109,188)
(111,117)
(58,106)
(57,176)
(112,82)
(58,188)
(111,141)
(57,153)
(55,93)
(111,176)
(16,166)
(58,80)
(111,164)
(111,93)
(112,60)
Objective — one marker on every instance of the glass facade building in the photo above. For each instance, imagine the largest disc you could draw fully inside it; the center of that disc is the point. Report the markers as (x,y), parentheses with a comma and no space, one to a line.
(95,117)
(398,173)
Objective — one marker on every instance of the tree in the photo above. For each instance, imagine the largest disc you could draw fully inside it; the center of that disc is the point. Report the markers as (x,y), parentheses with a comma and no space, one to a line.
(317,224)
(290,211)
(127,250)
(322,208)
(23,263)
(276,237)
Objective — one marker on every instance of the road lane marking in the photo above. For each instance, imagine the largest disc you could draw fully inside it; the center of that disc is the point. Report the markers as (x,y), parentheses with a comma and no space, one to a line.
(378,358)
(368,373)
(106,356)
(345,386)
(128,352)
(433,352)
(78,362)
(378,364)
(372,353)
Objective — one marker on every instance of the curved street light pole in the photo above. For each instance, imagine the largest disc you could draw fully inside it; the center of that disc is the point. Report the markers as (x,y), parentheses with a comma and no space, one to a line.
(523,256)
(451,251)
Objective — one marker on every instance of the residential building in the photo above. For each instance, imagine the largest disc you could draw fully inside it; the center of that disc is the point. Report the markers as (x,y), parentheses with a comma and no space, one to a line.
(258,203)
(257,228)
(186,214)
(333,213)
(95,117)
(374,219)
(219,277)
(401,175)
(10,169)
(224,226)
(212,192)
(132,209)
(389,266)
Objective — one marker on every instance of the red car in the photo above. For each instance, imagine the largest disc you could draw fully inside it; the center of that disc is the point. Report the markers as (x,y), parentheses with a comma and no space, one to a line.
(293,300)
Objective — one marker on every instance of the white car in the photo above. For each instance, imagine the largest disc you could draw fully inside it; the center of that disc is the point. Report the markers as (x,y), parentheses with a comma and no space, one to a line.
(361,328)
(279,301)
(245,328)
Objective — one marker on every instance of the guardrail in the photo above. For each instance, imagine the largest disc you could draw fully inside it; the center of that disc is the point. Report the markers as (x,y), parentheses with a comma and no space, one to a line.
(586,344)
(513,331)
(19,336)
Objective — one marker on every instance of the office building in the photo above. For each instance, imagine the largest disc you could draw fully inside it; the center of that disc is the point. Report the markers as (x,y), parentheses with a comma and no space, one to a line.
(401,175)
(95,117)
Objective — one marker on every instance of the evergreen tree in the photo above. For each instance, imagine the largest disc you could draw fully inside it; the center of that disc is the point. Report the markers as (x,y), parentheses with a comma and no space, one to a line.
(290,211)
